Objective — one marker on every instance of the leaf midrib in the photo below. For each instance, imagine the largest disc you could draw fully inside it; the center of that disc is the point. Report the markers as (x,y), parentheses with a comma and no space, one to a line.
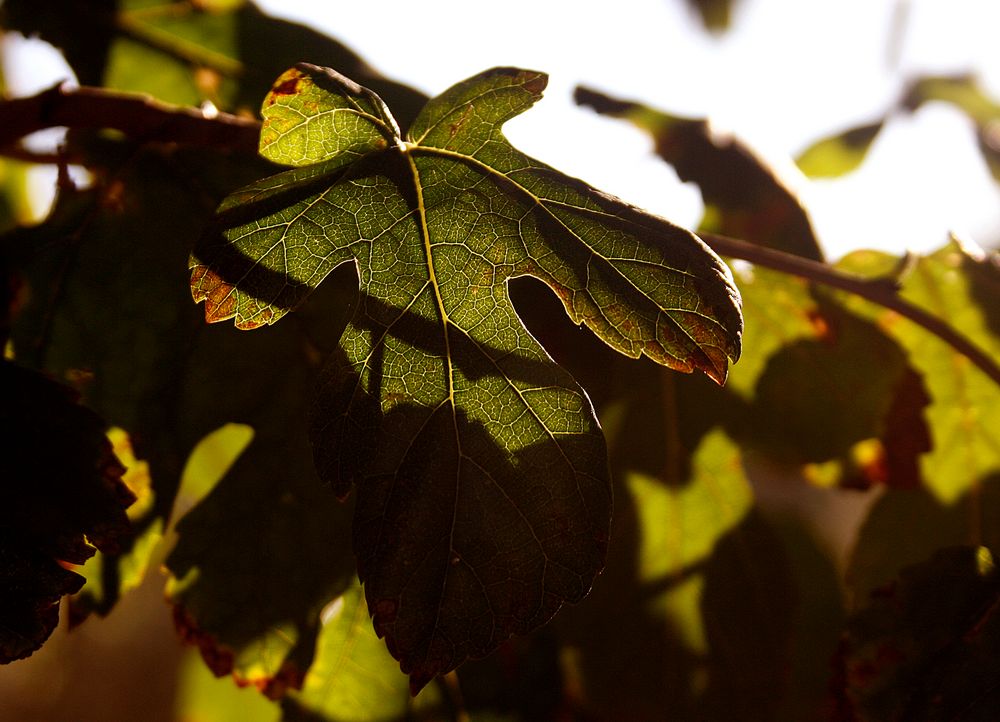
(410,148)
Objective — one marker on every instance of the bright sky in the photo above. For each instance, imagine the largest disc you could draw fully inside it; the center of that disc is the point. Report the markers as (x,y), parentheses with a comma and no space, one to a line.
(787,73)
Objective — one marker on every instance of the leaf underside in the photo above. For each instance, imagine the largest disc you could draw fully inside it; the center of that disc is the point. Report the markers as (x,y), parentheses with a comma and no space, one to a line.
(481,472)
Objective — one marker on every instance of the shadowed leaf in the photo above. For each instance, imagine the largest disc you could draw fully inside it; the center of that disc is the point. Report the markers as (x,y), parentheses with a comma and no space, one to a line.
(905,527)
(926,646)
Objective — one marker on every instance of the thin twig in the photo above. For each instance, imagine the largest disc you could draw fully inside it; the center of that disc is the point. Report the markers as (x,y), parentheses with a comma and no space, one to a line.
(880,291)
(138,116)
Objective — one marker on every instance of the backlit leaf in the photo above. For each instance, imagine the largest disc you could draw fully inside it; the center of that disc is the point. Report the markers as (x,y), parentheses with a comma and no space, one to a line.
(964,413)
(354,679)
(483,498)
(839,154)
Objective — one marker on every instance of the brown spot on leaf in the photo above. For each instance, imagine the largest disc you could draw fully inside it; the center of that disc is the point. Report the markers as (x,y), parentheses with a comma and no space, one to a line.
(287,84)
(536,84)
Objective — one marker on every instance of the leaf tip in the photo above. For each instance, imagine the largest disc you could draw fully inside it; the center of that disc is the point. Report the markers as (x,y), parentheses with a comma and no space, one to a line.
(717,367)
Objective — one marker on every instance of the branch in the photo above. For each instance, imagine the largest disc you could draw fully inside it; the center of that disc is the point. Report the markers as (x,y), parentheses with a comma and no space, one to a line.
(138,116)
(880,291)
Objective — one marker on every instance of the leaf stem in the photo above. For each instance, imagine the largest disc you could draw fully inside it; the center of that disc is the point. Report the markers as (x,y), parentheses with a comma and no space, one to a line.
(884,292)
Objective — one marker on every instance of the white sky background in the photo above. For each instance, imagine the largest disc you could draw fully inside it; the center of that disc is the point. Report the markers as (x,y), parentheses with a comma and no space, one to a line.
(787,73)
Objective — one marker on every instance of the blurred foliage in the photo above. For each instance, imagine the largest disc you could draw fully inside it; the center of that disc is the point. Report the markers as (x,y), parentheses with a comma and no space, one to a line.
(714,597)
(844,152)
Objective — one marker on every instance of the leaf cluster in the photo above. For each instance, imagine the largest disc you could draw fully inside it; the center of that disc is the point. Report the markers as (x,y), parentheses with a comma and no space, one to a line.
(476,354)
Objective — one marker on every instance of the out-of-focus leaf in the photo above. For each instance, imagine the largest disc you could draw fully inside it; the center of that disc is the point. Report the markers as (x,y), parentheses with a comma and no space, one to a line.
(257,560)
(714,14)
(964,413)
(110,308)
(185,52)
(81,29)
(817,398)
(817,621)
(194,52)
(839,154)
(926,647)
(202,697)
(964,92)
(483,498)
(744,198)
(905,527)
(522,681)
(354,678)
(61,497)
(690,557)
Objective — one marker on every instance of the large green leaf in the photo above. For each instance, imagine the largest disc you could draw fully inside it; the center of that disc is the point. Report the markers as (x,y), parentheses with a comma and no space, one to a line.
(483,499)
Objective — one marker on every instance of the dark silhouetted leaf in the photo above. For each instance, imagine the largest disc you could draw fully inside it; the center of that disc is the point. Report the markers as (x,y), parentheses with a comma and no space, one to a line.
(744,198)
(483,498)
(81,29)
(927,647)
(268,546)
(61,497)
(904,528)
